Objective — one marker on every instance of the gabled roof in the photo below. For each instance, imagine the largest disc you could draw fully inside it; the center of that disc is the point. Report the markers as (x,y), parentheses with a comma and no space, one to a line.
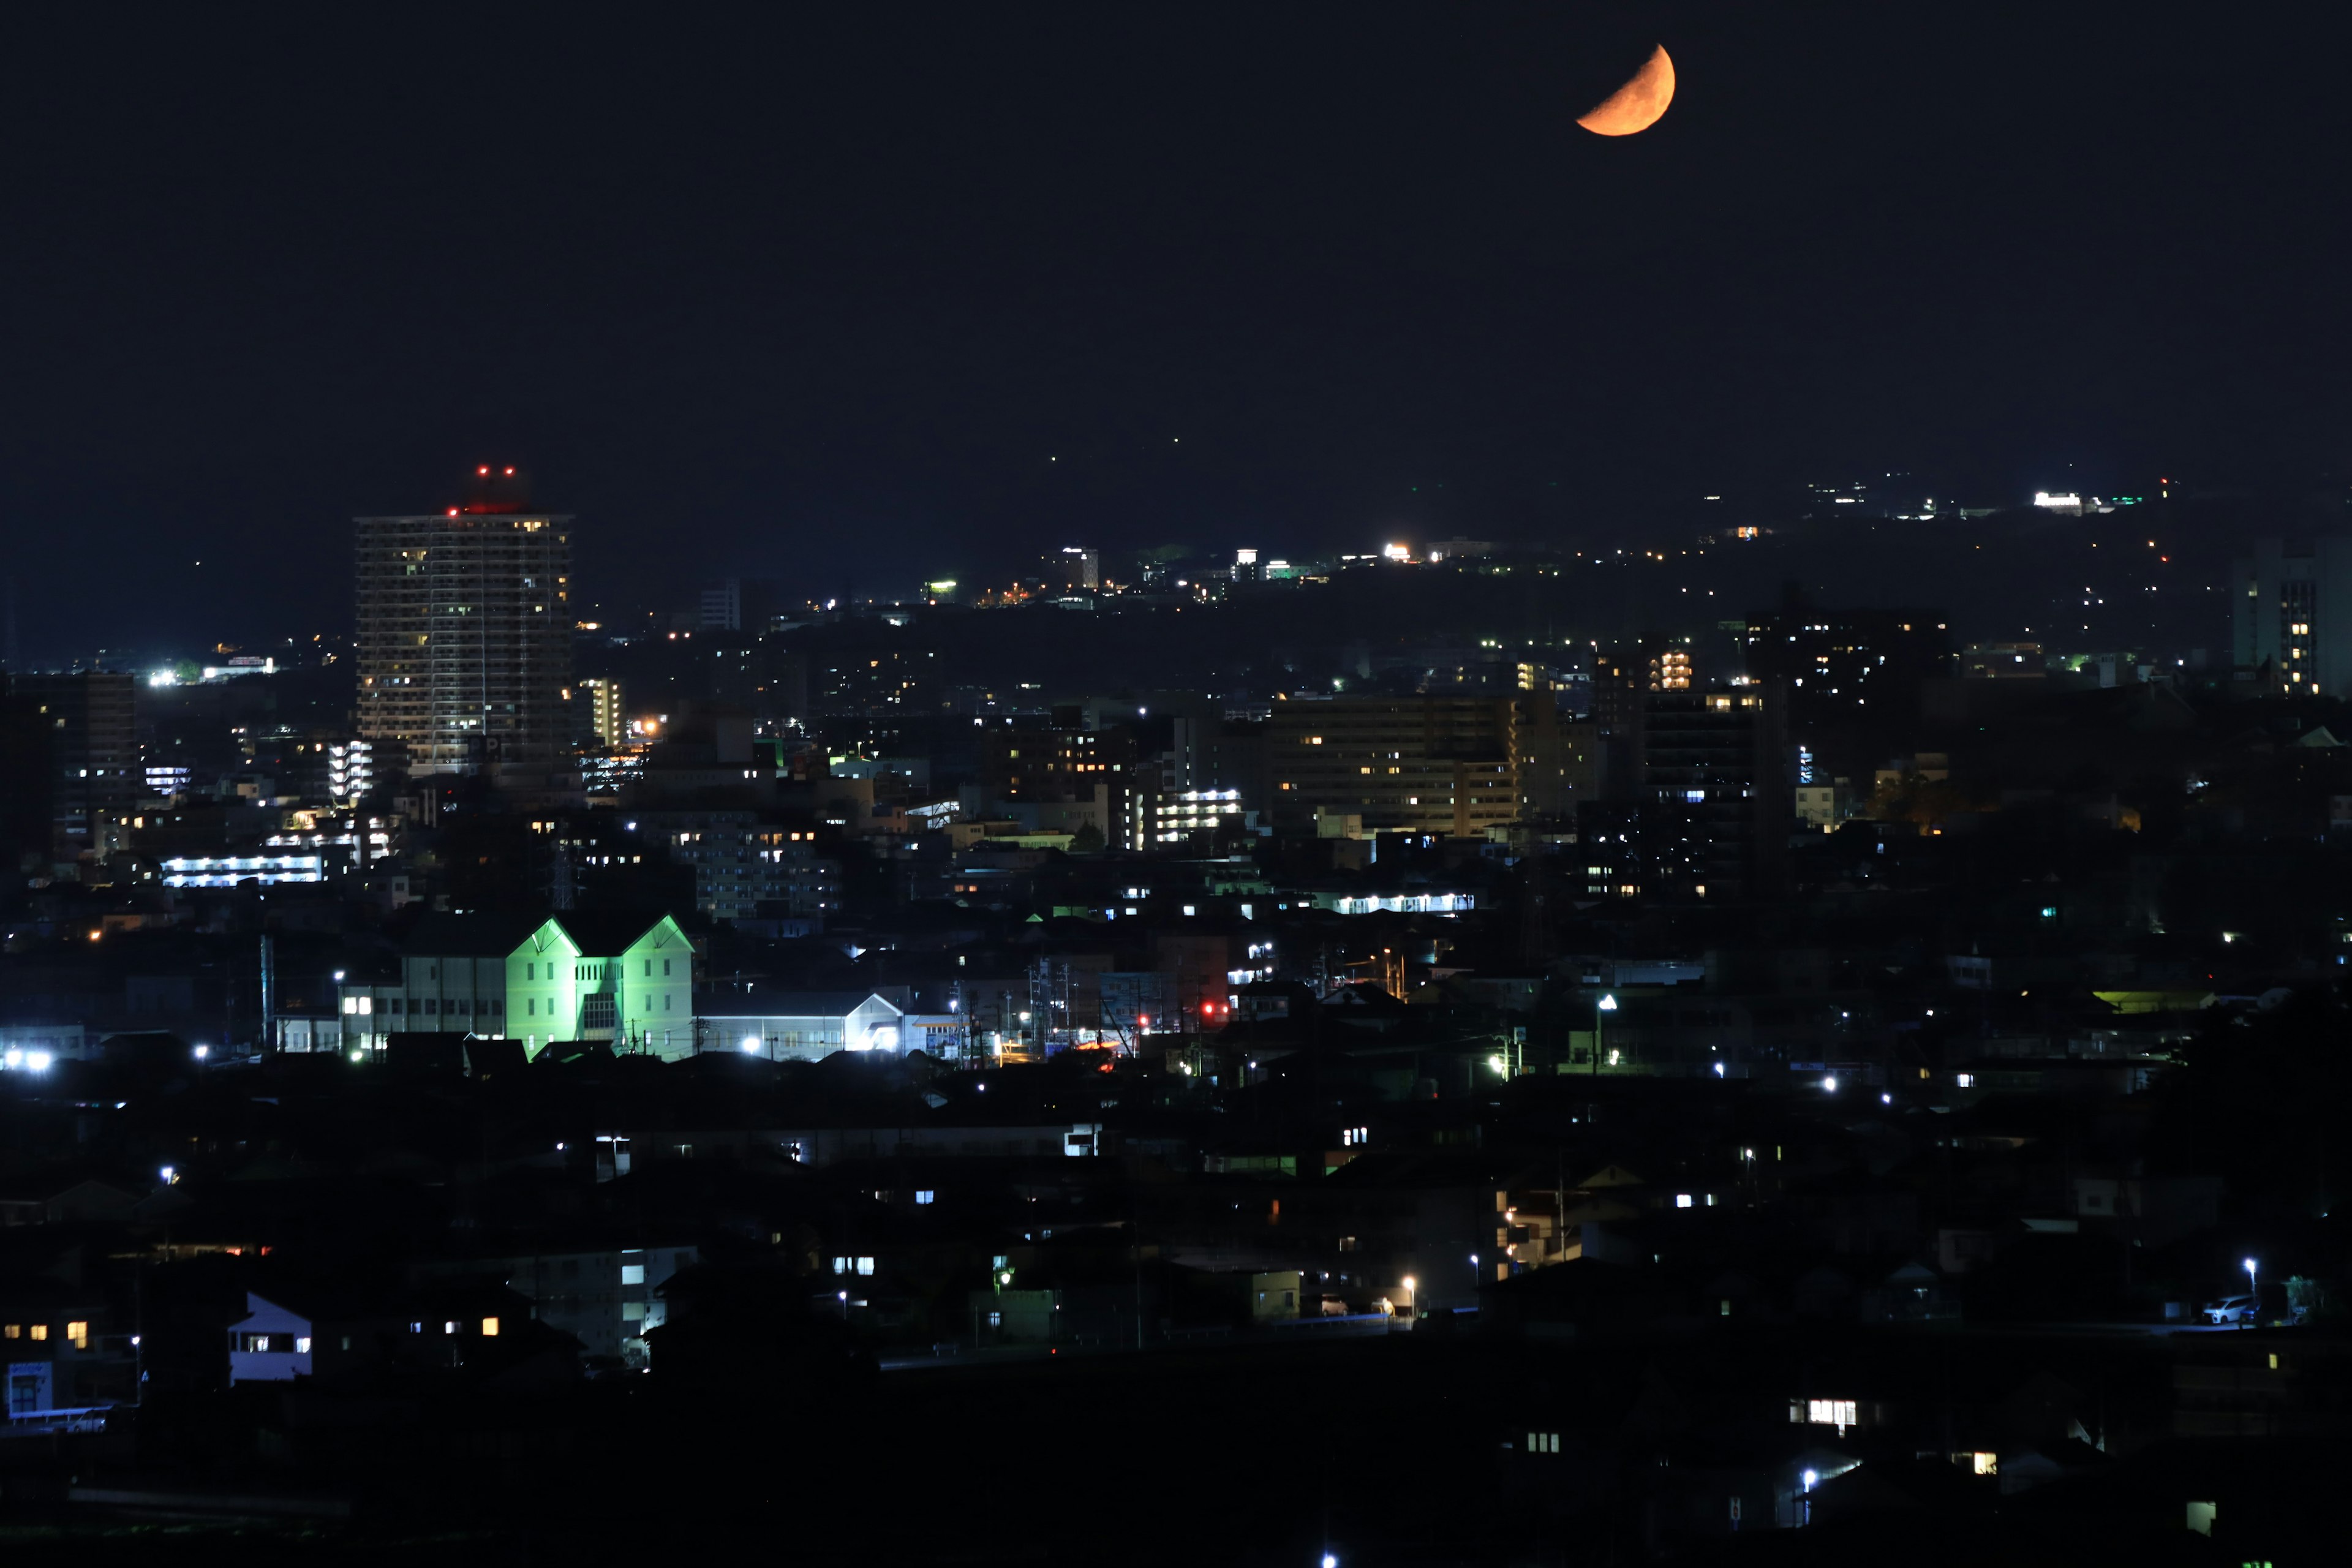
(597,935)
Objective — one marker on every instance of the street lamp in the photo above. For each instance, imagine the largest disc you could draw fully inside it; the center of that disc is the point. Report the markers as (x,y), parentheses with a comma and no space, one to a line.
(2254,1290)
(1608,1003)
(1408,1298)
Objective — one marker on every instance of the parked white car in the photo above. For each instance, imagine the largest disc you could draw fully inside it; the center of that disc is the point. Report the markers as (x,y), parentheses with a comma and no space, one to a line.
(2233,1309)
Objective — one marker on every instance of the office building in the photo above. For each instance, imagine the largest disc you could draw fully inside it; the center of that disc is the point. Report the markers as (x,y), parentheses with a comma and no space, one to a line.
(1623,676)
(1710,816)
(28,780)
(1561,768)
(1846,667)
(464,634)
(1073,569)
(1032,761)
(723,607)
(1446,765)
(2283,602)
(89,721)
(1167,818)
(746,868)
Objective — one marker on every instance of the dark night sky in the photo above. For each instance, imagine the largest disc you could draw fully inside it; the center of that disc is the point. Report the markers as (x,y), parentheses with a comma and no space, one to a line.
(818,293)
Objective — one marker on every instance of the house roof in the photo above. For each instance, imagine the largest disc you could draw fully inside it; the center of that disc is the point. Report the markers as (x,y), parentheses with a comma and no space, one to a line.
(603,935)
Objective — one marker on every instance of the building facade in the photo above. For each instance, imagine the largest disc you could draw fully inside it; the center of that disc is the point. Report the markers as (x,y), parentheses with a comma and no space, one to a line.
(808,1026)
(742,864)
(1445,765)
(2283,605)
(623,981)
(600,700)
(91,723)
(464,636)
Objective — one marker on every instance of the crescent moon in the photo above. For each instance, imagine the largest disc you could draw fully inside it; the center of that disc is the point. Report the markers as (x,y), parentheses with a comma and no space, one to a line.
(1637,105)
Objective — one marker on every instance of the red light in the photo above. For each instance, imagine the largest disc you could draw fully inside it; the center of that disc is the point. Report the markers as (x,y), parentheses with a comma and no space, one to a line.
(484,472)
(510,473)
(452,511)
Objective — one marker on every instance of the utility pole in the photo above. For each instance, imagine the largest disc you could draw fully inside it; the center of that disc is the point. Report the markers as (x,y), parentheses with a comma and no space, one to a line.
(268,988)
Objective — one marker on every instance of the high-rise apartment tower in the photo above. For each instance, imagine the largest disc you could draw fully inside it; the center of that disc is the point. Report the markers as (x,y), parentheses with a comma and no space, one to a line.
(465,633)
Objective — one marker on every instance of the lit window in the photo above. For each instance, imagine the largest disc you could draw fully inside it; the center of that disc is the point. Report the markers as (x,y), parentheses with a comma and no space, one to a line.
(41,1331)
(925,1194)
(302,1345)
(80,1334)
(489,1331)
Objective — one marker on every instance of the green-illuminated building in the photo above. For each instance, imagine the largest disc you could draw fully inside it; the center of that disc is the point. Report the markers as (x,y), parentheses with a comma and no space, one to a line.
(624,980)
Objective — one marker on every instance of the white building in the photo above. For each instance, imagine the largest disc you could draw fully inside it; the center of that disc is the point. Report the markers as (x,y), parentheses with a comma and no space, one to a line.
(271,1344)
(806,1025)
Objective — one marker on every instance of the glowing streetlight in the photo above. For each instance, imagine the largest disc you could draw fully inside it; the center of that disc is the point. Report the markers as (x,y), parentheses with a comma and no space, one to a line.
(2254,1290)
